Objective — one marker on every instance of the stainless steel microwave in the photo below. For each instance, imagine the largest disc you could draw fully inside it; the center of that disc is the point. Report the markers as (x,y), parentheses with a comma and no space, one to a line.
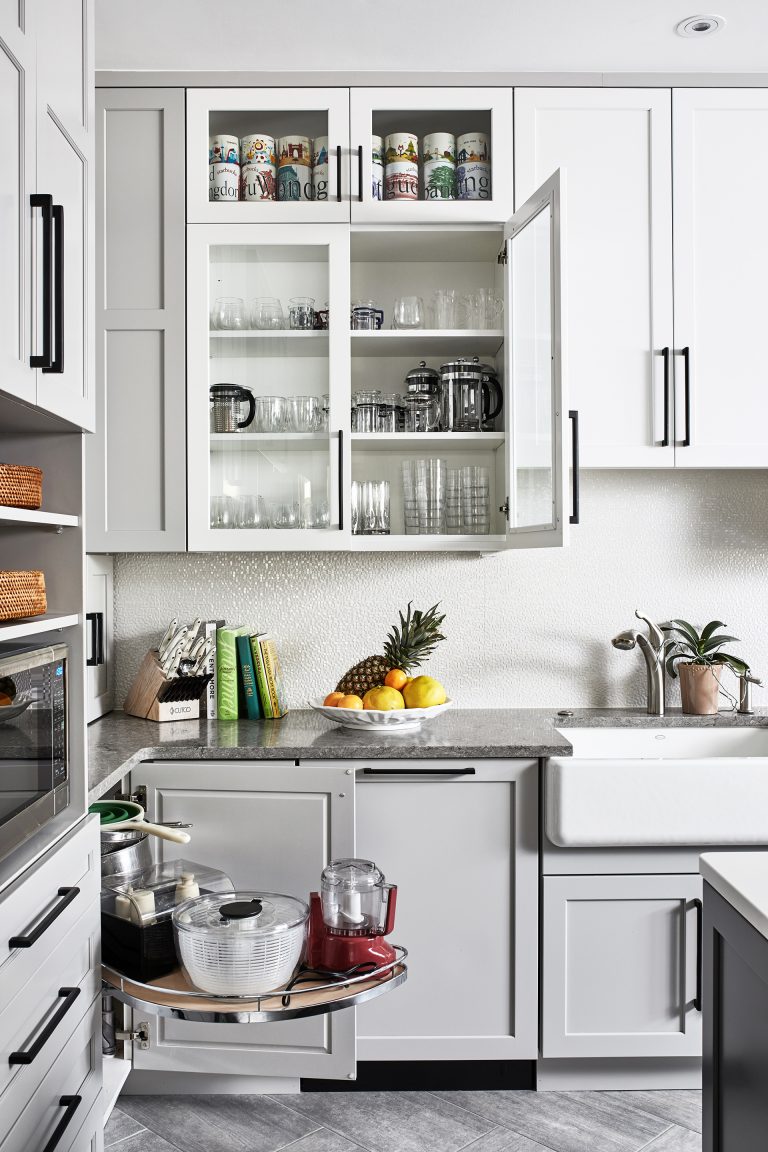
(34,740)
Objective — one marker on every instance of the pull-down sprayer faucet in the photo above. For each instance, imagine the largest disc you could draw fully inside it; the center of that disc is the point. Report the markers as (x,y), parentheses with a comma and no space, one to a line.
(652,648)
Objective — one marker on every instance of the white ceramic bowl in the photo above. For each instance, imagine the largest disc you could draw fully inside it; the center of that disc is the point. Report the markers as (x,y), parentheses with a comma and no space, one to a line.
(374,720)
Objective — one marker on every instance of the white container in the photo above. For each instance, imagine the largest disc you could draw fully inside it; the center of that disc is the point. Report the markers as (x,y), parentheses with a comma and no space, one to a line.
(258,149)
(228,950)
(377,181)
(401,147)
(223,182)
(473,147)
(320,182)
(439,178)
(401,181)
(294,182)
(294,150)
(473,181)
(223,150)
(439,146)
(258,181)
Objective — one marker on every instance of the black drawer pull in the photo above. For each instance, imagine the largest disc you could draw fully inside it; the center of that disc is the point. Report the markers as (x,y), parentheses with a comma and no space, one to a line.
(71,1103)
(45,202)
(360,173)
(96,621)
(28,1055)
(338,173)
(419,772)
(665,355)
(67,896)
(699,951)
(573,416)
(57,361)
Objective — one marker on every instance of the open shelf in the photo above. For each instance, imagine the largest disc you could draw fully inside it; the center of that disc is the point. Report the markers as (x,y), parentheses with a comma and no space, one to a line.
(260,343)
(16,629)
(426,342)
(35,516)
(266,441)
(437,441)
(435,243)
(399,542)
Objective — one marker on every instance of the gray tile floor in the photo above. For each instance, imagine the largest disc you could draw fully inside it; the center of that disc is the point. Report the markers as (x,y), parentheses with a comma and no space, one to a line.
(410,1122)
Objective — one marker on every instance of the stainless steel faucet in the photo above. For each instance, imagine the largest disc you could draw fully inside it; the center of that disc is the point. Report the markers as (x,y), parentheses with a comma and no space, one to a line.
(652,648)
(746,680)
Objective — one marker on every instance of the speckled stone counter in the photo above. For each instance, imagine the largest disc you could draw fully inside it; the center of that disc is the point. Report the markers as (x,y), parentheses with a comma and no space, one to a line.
(117,742)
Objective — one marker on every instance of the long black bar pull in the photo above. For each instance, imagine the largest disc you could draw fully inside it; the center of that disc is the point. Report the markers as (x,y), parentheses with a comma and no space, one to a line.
(573,416)
(341,480)
(45,203)
(699,951)
(665,355)
(686,355)
(338,173)
(360,173)
(57,362)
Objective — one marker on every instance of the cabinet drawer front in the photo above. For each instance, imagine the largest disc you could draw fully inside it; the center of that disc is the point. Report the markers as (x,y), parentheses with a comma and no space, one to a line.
(76,1072)
(90,1137)
(74,863)
(619,966)
(38,1022)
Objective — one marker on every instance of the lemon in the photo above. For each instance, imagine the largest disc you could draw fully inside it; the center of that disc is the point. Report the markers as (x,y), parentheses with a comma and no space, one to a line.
(424,692)
(383,699)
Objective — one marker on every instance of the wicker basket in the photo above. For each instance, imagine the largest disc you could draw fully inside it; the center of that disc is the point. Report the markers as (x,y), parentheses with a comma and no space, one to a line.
(20,486)
(22,594)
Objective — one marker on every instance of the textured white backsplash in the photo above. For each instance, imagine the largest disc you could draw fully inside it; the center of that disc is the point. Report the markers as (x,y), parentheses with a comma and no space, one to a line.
(528,628)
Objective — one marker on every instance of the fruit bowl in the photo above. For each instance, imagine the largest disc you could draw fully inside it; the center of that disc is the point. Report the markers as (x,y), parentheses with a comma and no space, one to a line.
(373,720)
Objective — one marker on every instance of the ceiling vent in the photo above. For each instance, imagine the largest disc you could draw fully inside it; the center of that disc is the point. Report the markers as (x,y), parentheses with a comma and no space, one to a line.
(700,25)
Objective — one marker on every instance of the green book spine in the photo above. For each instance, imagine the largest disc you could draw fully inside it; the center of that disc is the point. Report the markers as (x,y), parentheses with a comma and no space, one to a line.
(274,676)
(261,677)
(248,675)
(226,673)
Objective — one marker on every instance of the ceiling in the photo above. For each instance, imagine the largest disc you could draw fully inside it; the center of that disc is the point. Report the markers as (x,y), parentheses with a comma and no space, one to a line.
(427,35)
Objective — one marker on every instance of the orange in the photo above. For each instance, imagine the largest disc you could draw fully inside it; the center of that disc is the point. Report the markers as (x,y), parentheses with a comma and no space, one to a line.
(350,701)
(383,699)
(396,678)
(332,699)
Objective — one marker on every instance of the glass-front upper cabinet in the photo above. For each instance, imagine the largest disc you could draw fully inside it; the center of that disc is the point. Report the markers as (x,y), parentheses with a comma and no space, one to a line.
(267,399)
(267,155)
(434,155)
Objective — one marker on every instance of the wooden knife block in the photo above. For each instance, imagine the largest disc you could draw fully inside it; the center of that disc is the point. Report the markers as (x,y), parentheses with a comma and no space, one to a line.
(147,695)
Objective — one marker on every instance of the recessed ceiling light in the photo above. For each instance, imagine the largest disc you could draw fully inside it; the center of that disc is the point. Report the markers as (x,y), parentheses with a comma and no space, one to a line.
(700,25)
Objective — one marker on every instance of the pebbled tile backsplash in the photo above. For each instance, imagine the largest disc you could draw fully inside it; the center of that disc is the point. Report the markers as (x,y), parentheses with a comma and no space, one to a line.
(523,629)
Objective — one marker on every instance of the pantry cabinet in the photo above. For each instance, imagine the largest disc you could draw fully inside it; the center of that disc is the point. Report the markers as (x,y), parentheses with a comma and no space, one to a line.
(271,827)
(469,918)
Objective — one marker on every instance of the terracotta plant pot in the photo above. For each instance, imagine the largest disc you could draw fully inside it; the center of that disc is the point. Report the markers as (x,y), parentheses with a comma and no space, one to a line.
(699,688)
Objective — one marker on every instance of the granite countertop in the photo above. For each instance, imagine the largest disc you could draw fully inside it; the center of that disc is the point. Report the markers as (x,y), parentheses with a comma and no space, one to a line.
(741,878)
(117,742)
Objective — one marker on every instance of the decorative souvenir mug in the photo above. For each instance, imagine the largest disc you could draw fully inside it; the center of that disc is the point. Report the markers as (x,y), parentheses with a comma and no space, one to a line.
(377,182)
(320,182)
(439,180)
(293,150)
(473,181)
(294,183)
(377,150)
(223,150)
(439,146)
(473,147)
(401,147)
(258,149)
(258,181)
(401,182)
(319,151)
(223,181)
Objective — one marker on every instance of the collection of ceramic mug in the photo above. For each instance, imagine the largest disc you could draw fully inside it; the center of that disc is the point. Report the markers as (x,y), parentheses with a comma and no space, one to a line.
(440,167)
(258,167)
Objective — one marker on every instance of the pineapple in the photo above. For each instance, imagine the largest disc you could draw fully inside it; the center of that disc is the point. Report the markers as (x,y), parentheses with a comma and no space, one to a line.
(406,647)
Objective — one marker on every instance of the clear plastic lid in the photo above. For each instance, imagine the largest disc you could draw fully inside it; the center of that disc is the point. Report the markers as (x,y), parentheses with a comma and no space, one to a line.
(249,913)
(151,894)
(352,875)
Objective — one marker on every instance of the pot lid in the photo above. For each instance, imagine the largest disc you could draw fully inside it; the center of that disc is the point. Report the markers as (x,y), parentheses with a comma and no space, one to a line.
(352,875)
(246,913)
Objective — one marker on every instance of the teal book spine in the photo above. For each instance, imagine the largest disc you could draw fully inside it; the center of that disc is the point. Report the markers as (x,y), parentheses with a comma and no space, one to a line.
(248,674)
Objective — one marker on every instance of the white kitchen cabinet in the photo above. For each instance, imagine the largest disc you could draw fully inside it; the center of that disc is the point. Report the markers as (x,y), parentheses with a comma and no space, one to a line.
(271,827)
(619,275)
(380,111)
(460,841)
(720,260)
(136,461)
(275,112)
(99,657)
(619,966)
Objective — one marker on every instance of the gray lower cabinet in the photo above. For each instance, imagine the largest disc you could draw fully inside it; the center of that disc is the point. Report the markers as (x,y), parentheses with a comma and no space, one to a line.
(271,826)
(136,461)
(619,959)
(460,841)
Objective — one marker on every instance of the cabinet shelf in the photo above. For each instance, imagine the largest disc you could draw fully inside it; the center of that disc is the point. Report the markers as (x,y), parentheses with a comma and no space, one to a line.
(275,343)
(435,243)
(35,516)
(426,342)
(399,542)
(438,441)
(48,622)
(274,441)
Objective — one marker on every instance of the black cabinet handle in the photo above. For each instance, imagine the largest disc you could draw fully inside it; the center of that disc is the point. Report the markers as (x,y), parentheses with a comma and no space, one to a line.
(45,202)
(26,1056)
(573,416)
(665,355)
(26,941)
(341,480)
(699,951)
(96,621)
(338,173)
(360,173)
(57,363)
(71,1104)
(419,772)
(686,355)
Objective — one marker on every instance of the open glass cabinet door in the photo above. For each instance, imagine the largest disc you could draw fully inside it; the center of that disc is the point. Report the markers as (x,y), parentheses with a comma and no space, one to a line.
(533,350)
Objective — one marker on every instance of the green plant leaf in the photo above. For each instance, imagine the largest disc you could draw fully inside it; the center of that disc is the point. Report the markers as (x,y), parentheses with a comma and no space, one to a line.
(670,662)
(687,630)
(713,626)
(733,662)
(717,642)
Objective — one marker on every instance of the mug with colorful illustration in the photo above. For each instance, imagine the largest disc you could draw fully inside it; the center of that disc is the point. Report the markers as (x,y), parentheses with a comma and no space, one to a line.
(474,181)
(439,146)
(377,150)
(258,149)
(294,183)
(223,182)
(401,182)
(377,181)
(320,182)
(401,147)
(293,150)
(473,147)
(319,151)
(223,150)
(439,180)
(258,181)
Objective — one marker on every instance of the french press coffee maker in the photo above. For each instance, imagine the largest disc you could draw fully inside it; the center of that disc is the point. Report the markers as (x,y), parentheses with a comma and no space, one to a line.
(226,411)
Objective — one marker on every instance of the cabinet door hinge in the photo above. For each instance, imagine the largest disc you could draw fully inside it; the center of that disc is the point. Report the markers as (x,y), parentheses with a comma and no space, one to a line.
(138,1036)
(137,797)
(502,256)
(505,508)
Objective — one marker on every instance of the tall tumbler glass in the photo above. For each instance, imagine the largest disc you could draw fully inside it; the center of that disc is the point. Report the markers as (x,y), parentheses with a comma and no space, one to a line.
(431,478)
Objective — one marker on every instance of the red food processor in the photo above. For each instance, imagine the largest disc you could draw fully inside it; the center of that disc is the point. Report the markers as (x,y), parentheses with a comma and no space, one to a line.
(349,918)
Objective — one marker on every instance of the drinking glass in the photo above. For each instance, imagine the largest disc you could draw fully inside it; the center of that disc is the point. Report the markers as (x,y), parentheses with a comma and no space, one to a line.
(366,410)
(228,313)
(408,312)
(374,508)
(475,500)
(269,415)
(386,413)
(267,314)
(453,501)
(250,512)
(410,502)
(445,305)
(431,477)
(286,516)
(355,507)
(325,413)
(422,414)
(301,313)
(303,413)
(223,512)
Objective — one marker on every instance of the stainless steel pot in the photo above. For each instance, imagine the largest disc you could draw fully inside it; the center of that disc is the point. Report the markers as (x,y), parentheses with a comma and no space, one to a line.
(131,857)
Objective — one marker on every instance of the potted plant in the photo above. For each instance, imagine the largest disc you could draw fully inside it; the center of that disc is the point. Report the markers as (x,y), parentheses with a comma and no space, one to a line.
(698,658)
